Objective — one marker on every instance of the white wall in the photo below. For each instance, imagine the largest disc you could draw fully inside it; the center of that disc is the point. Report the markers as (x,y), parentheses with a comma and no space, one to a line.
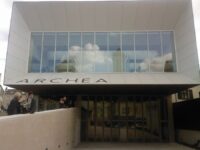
(18,46)
(196,91)
(196,12)
(186,49)
(41,130)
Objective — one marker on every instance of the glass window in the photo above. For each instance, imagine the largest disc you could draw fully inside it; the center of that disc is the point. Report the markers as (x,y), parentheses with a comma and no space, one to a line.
(141,52)
(127,41)
(74,39)
(87,38)
(168,52)
(48,52)
(141,41)
(35,52)
(114,53)
(101,53)
(75,56)
(102,40)
(129,60)
(61,51)
(155,52)
(114,41)
(128,52)
(114,61)
(88,53)
(101,61)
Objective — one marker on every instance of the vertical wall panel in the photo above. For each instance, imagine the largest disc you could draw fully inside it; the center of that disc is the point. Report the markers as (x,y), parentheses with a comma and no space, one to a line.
(185,36)
(19,37)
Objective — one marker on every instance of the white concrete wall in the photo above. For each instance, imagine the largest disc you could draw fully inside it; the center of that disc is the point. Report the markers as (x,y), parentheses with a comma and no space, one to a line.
(187,136)
(186,49)
(196,91)
(18,47)
(196,12)
(38,131)
(19,39)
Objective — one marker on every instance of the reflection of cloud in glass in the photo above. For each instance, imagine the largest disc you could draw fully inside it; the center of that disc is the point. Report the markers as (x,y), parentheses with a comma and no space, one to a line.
(156,63)
(91,55)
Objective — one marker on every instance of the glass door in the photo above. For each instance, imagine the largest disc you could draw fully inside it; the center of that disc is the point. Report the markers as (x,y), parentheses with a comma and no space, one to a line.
(123,118)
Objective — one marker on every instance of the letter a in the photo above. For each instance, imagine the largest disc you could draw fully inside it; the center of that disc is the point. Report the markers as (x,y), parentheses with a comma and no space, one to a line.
(101,80)
(23,81)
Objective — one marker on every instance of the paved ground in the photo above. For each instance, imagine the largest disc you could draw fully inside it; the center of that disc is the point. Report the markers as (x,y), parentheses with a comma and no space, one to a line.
(131,146)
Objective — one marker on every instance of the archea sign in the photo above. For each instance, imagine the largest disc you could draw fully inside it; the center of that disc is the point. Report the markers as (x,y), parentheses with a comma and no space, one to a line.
(62,81)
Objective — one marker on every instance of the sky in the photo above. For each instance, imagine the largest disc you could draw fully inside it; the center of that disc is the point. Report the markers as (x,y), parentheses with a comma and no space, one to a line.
(5,15)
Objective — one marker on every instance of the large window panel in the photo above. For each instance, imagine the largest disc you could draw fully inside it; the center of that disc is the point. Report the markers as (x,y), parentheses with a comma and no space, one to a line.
(61,52)
(101,41)
(114,53)
(35,52)
(168,52)
(129,60)
(102,52)
(75,55)
(87,38)
(114,61)
(155,52)
(141,52)
(127,41)
(128,54)
(101,61)
(48,52)
(88,52)
(114,41)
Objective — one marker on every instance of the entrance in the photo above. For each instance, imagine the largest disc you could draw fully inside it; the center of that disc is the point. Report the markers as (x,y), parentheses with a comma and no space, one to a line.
(124,118)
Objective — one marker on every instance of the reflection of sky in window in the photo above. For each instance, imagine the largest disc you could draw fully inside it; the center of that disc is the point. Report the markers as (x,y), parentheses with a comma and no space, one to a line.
(114,41)
(167,42)
(127,41)
(100,64)
(61,46)
(75,39)
(141,50)
(88,52)
(155,52)
(87,38)
(129,61)
(154,44)
(36,47)
(141,41)
(48,52)
(90,57)
(102,40)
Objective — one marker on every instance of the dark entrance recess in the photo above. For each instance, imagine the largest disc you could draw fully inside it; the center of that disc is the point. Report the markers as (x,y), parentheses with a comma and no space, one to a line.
(186,114)
(114,118)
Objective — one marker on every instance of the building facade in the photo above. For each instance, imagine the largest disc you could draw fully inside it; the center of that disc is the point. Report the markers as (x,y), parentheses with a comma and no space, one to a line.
(119,60)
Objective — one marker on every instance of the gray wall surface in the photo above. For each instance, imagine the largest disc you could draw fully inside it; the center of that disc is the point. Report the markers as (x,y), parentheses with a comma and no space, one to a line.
(38,131)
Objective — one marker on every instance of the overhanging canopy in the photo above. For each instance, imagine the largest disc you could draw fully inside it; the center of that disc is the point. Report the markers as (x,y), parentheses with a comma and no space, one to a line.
(135,83)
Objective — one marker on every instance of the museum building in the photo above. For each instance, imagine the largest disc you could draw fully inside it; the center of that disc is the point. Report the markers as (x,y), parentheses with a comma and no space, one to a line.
(121,60)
